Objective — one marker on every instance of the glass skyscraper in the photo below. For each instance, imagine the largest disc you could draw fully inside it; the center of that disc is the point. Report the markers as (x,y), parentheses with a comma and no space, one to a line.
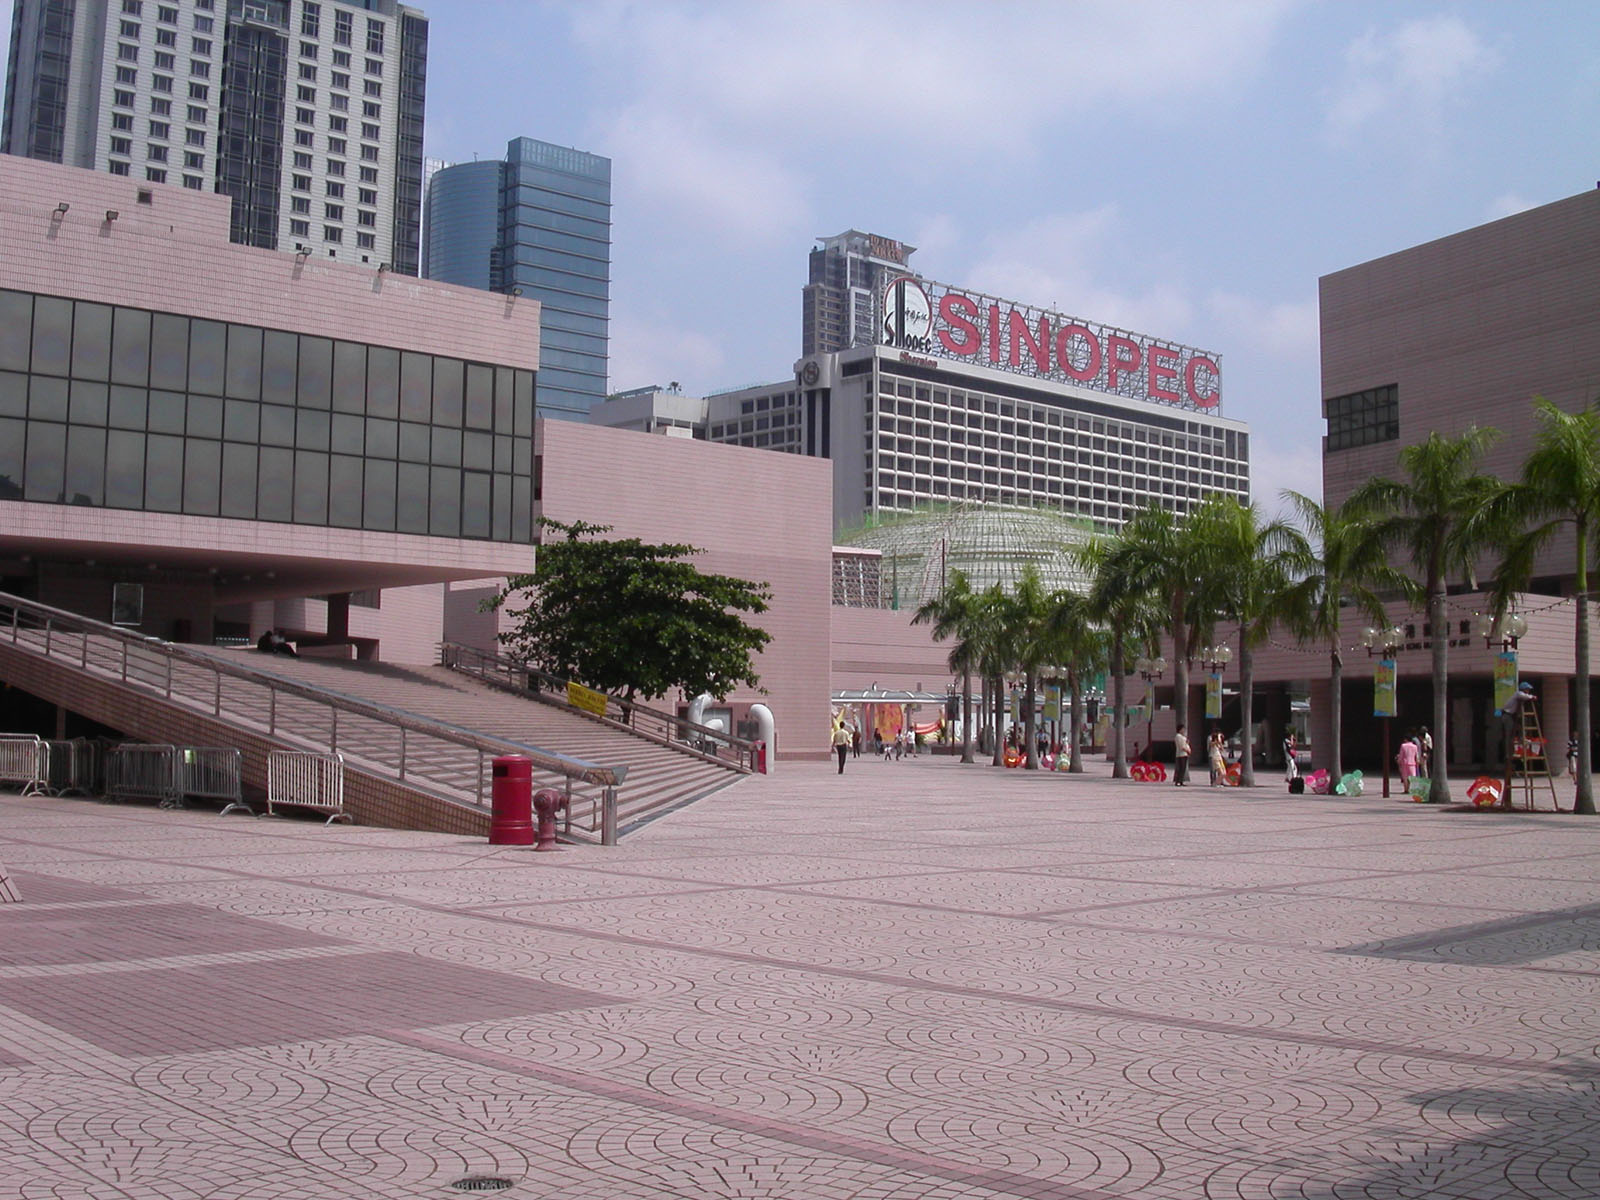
(538,225)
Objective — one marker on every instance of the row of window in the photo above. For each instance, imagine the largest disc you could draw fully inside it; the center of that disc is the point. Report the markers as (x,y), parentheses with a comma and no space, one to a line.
(128,77)
(1363,418)
(343,27)
(167,14)
(341,58)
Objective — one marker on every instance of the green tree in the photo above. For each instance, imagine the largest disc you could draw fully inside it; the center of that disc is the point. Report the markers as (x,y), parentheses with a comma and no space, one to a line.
(1338,564)
(1130,613)
(1080,646)
(955,614)
(632,618)
(1025,617)
(1560,489)
(1163,558)
(1442,515)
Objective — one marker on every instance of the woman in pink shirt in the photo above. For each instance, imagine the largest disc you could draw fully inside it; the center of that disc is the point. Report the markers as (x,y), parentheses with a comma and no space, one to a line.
(1408,762)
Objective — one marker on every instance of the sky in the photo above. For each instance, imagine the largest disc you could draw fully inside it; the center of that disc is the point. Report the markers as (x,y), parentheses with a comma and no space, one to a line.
(1182,169)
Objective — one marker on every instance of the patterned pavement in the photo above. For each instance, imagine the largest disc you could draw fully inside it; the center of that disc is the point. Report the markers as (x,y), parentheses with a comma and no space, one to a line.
(918,981)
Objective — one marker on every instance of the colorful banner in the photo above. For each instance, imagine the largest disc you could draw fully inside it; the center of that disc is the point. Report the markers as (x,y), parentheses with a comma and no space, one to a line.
(587,699)
(1213,695)
(1505,679)
(1052,703)
(1383,702)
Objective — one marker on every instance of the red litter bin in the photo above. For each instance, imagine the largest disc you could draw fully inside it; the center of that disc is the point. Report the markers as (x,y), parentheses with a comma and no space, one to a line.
(512,798)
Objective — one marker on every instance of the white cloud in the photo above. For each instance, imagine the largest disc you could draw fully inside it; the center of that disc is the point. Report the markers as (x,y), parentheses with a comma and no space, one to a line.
(1285,329)
(1404,79)
(1278,465)
(648,349)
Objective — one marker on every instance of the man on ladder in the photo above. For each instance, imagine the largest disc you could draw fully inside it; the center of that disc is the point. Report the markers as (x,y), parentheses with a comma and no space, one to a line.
(1524,746)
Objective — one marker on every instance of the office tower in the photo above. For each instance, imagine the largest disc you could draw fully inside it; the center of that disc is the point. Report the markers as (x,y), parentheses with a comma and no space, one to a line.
(538,224)
(840,303)
(306,113)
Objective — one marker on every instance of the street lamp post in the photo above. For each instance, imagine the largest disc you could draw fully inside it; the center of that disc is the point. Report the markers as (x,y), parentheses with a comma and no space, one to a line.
(1150,670)
(1508,630)
(1214,660)
(1384,642)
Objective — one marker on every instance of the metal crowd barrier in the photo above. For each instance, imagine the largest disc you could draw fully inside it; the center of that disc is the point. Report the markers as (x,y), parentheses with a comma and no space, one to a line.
(76,767)
(24,762)
(141,772)
(305,779)
(211,773)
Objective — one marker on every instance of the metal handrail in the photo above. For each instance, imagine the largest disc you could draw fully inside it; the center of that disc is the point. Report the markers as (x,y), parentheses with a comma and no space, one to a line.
(654,724)
(169,669)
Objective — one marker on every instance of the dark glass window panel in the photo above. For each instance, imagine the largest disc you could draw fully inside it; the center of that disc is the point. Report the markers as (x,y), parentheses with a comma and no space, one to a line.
(344,492)
(202,477)
(12,436)
(47,460)
(169,352)
(480,396)
(86,466)
(130,347)
(278,367)
(447,447)
(349,377)
(444,502)
(13,394)
(88,403)
(205,417)
(523,406)
(311,433)
(502,508)
(91,341)
(521,509)
(502,453)
(310,488)
(378,495)
(275,485)
(522,456)
(412,507)
(447,374)
(277,425)
(163,473)
(475,507)
(128,406)
(47,399)
(504,389)
(383,382)
(208,356)
(316,372)
(241,421)
(52,335)
(16,330)
(383,438)
(416,387)
(414,442)
(477,452)
(124,469)
(349,433)
(238,480)
(244,362)
(167,412)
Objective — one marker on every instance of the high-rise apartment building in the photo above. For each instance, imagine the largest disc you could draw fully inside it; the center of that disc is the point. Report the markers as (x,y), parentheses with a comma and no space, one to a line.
(306,113)
(539,225)
(840,304)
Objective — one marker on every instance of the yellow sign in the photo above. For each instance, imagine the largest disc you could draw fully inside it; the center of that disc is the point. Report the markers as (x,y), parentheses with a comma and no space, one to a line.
(1383,701)
(1213,696)
(1505,680)
(587,699)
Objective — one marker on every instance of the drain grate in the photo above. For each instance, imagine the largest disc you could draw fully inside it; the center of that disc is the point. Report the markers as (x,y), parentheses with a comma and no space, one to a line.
(482,1183)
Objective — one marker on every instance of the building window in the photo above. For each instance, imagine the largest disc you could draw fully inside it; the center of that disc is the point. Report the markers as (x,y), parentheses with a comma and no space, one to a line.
(167,14)
(167,37)
(308,71)
(132,7)
(374,66)
(200,70)
(369,109)
(372,87)
(129,29)
(165,61)
(341,80)
(199,91)
(300,204)
(370,129)
(365,241)
(374,36)
(121,98)
(341,58)
(160,107)
(306,116)
(1363,418)
(309,20)
(159,129)
(156,153)
(302,161)
(194,161)
(339,103)
(202,25)
(308,49)
(369,174)
(338,124)
(122,121)
(200,46)
(335,189)
(117,168)
(343,22)
(305,95)
(333,212)
(300,228)
(369,195)
(127,53)
(304,137)
(121,145)
(369,219)
(335,167)
(161,83)
(336,145)
(155,174)
(196,114)
(129,76)
(332,233)
(300,183)
(194,137)
(194,183)
(369,153)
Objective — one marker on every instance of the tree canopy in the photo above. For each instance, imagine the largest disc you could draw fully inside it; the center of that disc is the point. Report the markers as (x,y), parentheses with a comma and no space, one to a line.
(633,618)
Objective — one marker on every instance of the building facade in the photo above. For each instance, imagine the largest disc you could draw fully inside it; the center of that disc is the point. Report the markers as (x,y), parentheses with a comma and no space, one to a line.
(307,114)
(839,306)
(537,224)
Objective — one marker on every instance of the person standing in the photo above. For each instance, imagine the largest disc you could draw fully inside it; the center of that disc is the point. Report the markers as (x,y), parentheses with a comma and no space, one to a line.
(841,744)
(1425,745)
(1215,752)
(1180,768)
(1408,758)
(1291,758)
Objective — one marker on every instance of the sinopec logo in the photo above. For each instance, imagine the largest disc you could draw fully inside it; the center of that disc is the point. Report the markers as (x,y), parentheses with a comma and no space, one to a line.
(907,315)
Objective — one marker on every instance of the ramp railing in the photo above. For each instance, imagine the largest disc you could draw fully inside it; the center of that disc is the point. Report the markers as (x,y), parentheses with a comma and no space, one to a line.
(430,756)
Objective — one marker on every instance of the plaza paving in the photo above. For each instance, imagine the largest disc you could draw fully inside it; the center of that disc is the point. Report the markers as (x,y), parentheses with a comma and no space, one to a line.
(916,982)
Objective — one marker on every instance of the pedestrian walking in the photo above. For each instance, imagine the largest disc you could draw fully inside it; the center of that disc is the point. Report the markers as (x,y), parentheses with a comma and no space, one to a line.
(841,745)
(1408,757)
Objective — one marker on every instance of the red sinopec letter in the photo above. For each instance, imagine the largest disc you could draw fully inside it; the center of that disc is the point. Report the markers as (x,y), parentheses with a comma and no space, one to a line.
(1091,366)
(1205,392)
(1123,359)
(994,333)
(1017,328)
(1162,364)
(961,316)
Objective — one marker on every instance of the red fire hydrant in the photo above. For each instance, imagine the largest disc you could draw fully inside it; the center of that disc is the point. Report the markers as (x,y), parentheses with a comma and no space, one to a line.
(546,802)
(512,786)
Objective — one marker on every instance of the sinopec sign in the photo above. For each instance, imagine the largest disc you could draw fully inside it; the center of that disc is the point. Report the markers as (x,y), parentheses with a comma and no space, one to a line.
(924,317)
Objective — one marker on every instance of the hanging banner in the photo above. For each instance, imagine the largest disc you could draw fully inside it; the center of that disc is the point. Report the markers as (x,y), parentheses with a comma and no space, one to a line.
(1052,703)
(1383,702)
(1213,695)
(1505,679)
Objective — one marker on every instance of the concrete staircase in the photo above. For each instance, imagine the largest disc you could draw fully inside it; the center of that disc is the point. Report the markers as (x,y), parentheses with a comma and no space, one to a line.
(658,778)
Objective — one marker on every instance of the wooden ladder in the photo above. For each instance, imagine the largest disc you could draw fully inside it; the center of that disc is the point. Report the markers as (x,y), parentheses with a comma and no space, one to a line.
(1530,758)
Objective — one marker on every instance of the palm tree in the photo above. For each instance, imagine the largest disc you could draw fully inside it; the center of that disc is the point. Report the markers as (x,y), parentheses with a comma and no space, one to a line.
(1129,612)
(1442,515)
(1242,582)
(954,615)
(1026,615)
(1560,486)
(1338,563)
(1081,647)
